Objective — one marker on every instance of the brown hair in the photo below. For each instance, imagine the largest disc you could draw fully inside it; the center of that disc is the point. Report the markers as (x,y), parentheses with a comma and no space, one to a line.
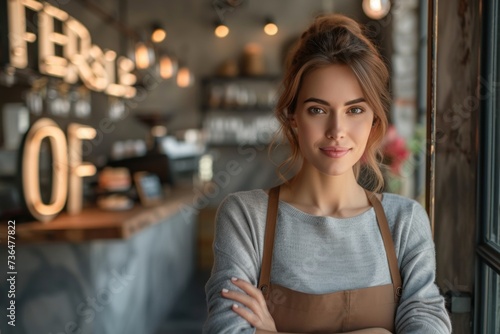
(337,39)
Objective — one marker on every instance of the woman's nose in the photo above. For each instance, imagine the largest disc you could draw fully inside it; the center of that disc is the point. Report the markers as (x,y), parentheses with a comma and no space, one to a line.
(335,128)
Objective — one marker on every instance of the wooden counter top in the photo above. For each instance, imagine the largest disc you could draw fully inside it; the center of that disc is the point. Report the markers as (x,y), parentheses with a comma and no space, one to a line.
(95,223)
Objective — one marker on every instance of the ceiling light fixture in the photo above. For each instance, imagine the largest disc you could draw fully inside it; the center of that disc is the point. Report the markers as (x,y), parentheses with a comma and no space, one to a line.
(376,9)
(270,27)
(158,34)
(168,67)
(144,56)
(184,77)
(221,30)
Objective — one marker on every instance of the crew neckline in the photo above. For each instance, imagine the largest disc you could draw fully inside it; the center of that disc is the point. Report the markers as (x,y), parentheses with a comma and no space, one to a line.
(294,210)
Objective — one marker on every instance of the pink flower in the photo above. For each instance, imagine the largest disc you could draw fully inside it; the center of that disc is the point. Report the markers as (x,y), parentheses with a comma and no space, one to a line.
(394,150)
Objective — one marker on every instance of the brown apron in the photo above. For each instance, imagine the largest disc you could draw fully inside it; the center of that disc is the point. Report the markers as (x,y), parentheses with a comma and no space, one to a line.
(341,311)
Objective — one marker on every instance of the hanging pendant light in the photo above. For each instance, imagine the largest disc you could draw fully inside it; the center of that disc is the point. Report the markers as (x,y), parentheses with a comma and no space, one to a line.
(376,9)
(168,67)
(144,56)
(221,30)
(270,27)
(158,33)
(184,77)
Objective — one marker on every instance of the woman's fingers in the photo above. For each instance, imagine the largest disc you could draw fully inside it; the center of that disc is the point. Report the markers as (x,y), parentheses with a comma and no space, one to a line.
(255,308)
(244,299)
(251,290)
(252,319)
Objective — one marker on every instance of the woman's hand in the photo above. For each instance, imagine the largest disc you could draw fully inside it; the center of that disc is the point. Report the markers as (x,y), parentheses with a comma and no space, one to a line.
(258,315)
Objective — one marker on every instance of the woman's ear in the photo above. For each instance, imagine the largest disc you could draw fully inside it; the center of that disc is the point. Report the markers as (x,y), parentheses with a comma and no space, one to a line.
(293,122)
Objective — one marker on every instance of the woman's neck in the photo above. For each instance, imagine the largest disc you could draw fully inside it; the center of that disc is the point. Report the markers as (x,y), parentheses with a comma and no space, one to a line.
(324,195)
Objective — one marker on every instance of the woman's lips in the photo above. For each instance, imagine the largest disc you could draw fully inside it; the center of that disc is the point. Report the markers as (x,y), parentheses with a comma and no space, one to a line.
(334,152)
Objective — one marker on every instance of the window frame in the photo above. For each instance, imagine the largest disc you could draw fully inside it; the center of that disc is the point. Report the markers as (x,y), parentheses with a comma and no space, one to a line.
(487,253)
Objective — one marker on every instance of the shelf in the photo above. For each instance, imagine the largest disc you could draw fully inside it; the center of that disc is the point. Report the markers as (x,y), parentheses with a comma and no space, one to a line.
(239,94)
(94,223)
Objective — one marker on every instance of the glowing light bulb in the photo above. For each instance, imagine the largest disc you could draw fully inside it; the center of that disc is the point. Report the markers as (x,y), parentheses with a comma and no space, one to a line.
(221,31)
(184,78)
(158,35)
(376,5)
(376,9)
(167,67)
(271,29)
(142,60)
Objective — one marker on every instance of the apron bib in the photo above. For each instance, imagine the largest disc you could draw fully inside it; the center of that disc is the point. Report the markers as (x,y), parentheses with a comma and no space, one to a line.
(340,311)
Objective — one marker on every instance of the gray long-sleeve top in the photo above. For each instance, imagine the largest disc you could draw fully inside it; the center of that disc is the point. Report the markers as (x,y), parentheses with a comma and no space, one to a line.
(315,254)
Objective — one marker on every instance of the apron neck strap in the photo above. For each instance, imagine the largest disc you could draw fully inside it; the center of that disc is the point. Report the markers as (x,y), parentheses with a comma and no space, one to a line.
(390,251)
(267,257)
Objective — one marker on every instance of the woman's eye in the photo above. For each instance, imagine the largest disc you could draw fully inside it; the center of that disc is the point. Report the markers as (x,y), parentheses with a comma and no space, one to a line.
(356,110)
(315,110)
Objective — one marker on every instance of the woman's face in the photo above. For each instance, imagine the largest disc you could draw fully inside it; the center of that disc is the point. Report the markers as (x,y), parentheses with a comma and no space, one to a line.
(332,119)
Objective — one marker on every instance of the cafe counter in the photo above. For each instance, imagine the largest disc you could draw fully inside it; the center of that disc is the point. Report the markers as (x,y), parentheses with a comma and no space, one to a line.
(101,271)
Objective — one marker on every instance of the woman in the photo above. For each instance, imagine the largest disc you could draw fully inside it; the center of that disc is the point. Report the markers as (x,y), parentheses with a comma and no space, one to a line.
(320,254)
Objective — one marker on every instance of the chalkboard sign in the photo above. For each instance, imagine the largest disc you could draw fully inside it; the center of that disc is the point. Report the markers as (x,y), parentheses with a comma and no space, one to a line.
(148,188)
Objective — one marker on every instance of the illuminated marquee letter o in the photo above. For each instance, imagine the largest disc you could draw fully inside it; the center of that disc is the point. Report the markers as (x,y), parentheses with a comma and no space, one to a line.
(41,129)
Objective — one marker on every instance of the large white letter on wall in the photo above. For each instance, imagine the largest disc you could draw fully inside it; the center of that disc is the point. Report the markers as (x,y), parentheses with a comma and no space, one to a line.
(41,129)
(49,62)
(78,169)
(18,36)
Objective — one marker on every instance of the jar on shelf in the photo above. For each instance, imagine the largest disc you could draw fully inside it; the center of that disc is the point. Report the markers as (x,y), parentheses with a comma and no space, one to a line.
(252,60)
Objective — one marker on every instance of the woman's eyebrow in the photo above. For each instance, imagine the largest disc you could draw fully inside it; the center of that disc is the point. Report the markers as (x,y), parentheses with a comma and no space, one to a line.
(361,99)
(314,99)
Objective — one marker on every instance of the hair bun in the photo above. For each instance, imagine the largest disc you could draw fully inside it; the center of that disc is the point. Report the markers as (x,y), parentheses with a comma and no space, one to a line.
(330,22)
